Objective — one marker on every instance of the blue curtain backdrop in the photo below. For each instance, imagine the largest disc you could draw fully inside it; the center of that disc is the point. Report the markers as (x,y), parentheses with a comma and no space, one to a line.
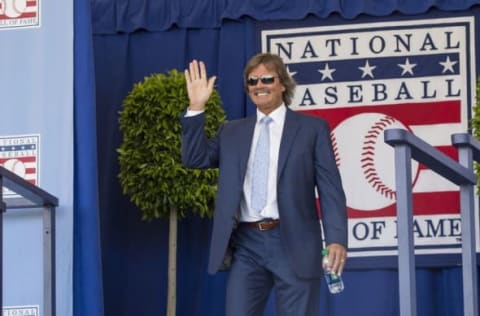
(133,39)
(87,273)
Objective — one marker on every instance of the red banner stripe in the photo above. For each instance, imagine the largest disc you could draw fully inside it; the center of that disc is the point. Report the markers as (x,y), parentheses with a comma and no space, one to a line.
(450,151)
(22,159)
(27,15)
(428,203)
(425,113)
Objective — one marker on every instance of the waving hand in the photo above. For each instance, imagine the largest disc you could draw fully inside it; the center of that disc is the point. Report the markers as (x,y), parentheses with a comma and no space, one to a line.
(199,87)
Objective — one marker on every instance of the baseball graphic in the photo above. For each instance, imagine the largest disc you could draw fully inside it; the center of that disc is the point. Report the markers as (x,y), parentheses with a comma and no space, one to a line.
(14,8)
(366,162)
(15,166)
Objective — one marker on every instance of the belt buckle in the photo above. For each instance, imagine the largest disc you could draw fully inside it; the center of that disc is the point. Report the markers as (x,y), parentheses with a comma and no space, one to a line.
(261,227)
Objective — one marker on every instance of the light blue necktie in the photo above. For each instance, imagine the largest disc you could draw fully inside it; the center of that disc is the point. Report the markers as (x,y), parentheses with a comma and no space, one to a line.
(260,166)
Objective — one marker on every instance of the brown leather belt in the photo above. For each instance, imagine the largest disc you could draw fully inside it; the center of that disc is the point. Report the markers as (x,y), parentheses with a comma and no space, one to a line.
(263,225)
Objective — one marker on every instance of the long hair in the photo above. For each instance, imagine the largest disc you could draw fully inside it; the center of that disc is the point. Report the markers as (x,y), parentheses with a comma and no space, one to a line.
(273,63)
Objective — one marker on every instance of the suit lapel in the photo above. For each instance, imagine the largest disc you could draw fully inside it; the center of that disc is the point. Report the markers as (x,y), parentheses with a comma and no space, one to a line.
(290,129)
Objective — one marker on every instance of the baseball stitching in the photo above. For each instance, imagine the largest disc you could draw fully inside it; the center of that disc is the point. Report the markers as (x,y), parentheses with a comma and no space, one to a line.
(335,148)
(368,156)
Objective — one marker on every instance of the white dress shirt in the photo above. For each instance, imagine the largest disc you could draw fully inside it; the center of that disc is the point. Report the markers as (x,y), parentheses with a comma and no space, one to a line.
(247,214)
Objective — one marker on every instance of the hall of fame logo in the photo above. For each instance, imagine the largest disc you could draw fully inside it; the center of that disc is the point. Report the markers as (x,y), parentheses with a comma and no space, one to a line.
(32,310)
(365,161)
(418,75)
(19,13)
(20,155)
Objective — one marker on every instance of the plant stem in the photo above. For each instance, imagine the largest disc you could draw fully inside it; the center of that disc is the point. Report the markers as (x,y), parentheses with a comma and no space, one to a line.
(172,264)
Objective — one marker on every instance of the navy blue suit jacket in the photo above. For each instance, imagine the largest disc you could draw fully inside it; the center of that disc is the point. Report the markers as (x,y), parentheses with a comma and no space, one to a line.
(306,160)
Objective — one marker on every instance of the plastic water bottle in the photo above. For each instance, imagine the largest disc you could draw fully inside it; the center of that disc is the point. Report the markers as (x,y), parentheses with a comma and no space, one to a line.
(334,281)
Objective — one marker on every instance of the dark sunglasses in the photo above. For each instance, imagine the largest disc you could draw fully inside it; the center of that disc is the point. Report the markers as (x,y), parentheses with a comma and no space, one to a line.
(252,81)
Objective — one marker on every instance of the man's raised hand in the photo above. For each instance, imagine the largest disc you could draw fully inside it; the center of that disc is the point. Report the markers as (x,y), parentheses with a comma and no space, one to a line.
(199,87)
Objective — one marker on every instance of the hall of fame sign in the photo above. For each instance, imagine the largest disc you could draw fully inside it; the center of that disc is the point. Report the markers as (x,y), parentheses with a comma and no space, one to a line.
(20,155)
(364,78)
(32,310)
(19,14)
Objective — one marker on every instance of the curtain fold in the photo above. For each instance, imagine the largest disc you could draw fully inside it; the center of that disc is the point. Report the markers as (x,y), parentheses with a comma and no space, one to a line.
(118,16)
(87,267)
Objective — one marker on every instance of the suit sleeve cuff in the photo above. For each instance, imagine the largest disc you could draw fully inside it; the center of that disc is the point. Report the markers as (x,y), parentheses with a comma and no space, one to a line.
(190,113)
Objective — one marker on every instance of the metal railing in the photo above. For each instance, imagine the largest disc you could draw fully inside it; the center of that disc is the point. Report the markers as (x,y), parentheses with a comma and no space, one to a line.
(407,146)
(29,196)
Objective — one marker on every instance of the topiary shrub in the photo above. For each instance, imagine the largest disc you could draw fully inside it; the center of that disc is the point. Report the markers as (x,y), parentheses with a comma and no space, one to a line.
(476,127)
(151,172)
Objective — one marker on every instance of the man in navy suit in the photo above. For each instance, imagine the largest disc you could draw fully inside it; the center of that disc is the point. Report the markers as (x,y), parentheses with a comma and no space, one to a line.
(275,239)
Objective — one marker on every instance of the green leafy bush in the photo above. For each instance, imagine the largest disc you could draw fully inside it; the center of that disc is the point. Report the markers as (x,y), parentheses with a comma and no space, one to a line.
(151,172)
(476,127)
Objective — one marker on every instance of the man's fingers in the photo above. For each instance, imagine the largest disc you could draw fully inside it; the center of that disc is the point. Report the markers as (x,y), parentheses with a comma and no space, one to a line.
(211,82)
(339,265)
(203,70)
(193,70)
(337,256)
(199,86)
(196,71)
(342,258)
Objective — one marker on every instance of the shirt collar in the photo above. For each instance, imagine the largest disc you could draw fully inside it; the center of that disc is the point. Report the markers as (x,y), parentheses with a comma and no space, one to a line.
(277,115)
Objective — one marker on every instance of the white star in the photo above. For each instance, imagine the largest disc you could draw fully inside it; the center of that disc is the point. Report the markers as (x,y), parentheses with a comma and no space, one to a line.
(448,65)
(291,73)
(367,70)
(327,72)
(407,67)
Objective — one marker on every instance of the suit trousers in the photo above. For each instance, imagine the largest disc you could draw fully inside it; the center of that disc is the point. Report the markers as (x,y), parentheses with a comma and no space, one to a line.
(259,265)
